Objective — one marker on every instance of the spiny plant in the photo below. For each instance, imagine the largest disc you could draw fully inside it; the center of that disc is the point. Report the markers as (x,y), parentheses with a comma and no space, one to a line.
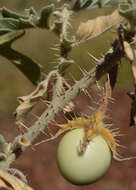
(56,18)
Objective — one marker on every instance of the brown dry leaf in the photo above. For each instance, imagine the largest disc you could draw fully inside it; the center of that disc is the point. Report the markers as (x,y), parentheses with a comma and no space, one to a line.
(95,27)
(131,54)
(113,73)
(11,182)
(29,101)
(132,95)
(134,64)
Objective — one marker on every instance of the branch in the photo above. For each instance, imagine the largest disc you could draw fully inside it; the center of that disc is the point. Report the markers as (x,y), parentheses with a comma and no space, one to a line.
(111,58)
(20,143)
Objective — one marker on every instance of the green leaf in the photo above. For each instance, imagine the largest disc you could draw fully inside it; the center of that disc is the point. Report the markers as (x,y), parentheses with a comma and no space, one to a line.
(6,13)
(45,15)
(10,37)
(10,20)
(86,4)
(26,65)
(111,3)
(83,4)
(95,4)
(77,5)
(10,25)
(13,21)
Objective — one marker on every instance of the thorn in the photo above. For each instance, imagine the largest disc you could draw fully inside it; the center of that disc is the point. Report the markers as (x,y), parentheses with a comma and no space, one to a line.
(46,140)
(92,109)
(69,107)
(82,71)
(96,103)
(53,122)
(65,83)
(113,129)
(66,120)
(93,57)
(44,132)
(98,86)
(46,102)
(124,159)
(102,55)
(119,145)
(112,100)
(33,148)
(85,115)
(50,131)
(24,125)
(57,55)
(85,72)
(56,45)
(109,126)
(76,116)
(55,49)
(88,94)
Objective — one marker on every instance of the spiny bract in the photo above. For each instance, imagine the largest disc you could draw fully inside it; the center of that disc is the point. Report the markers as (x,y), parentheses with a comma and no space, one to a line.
(94,125)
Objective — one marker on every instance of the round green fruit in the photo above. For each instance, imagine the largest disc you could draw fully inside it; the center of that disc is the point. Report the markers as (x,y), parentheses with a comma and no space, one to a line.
(82,168)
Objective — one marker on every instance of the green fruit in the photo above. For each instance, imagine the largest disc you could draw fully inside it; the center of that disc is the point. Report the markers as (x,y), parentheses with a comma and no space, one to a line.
(82,168)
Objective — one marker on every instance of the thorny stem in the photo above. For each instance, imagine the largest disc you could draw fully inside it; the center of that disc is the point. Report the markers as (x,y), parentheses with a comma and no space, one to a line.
(58,103)
(110,59)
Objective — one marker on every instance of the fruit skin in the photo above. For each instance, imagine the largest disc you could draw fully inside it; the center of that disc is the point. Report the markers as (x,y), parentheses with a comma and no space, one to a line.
(82,168)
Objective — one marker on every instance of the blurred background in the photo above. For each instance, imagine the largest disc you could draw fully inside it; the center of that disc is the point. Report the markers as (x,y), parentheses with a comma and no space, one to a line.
(39,165)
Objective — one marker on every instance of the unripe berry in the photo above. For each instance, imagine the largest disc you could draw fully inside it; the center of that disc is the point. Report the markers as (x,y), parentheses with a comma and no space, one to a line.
(82,168)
